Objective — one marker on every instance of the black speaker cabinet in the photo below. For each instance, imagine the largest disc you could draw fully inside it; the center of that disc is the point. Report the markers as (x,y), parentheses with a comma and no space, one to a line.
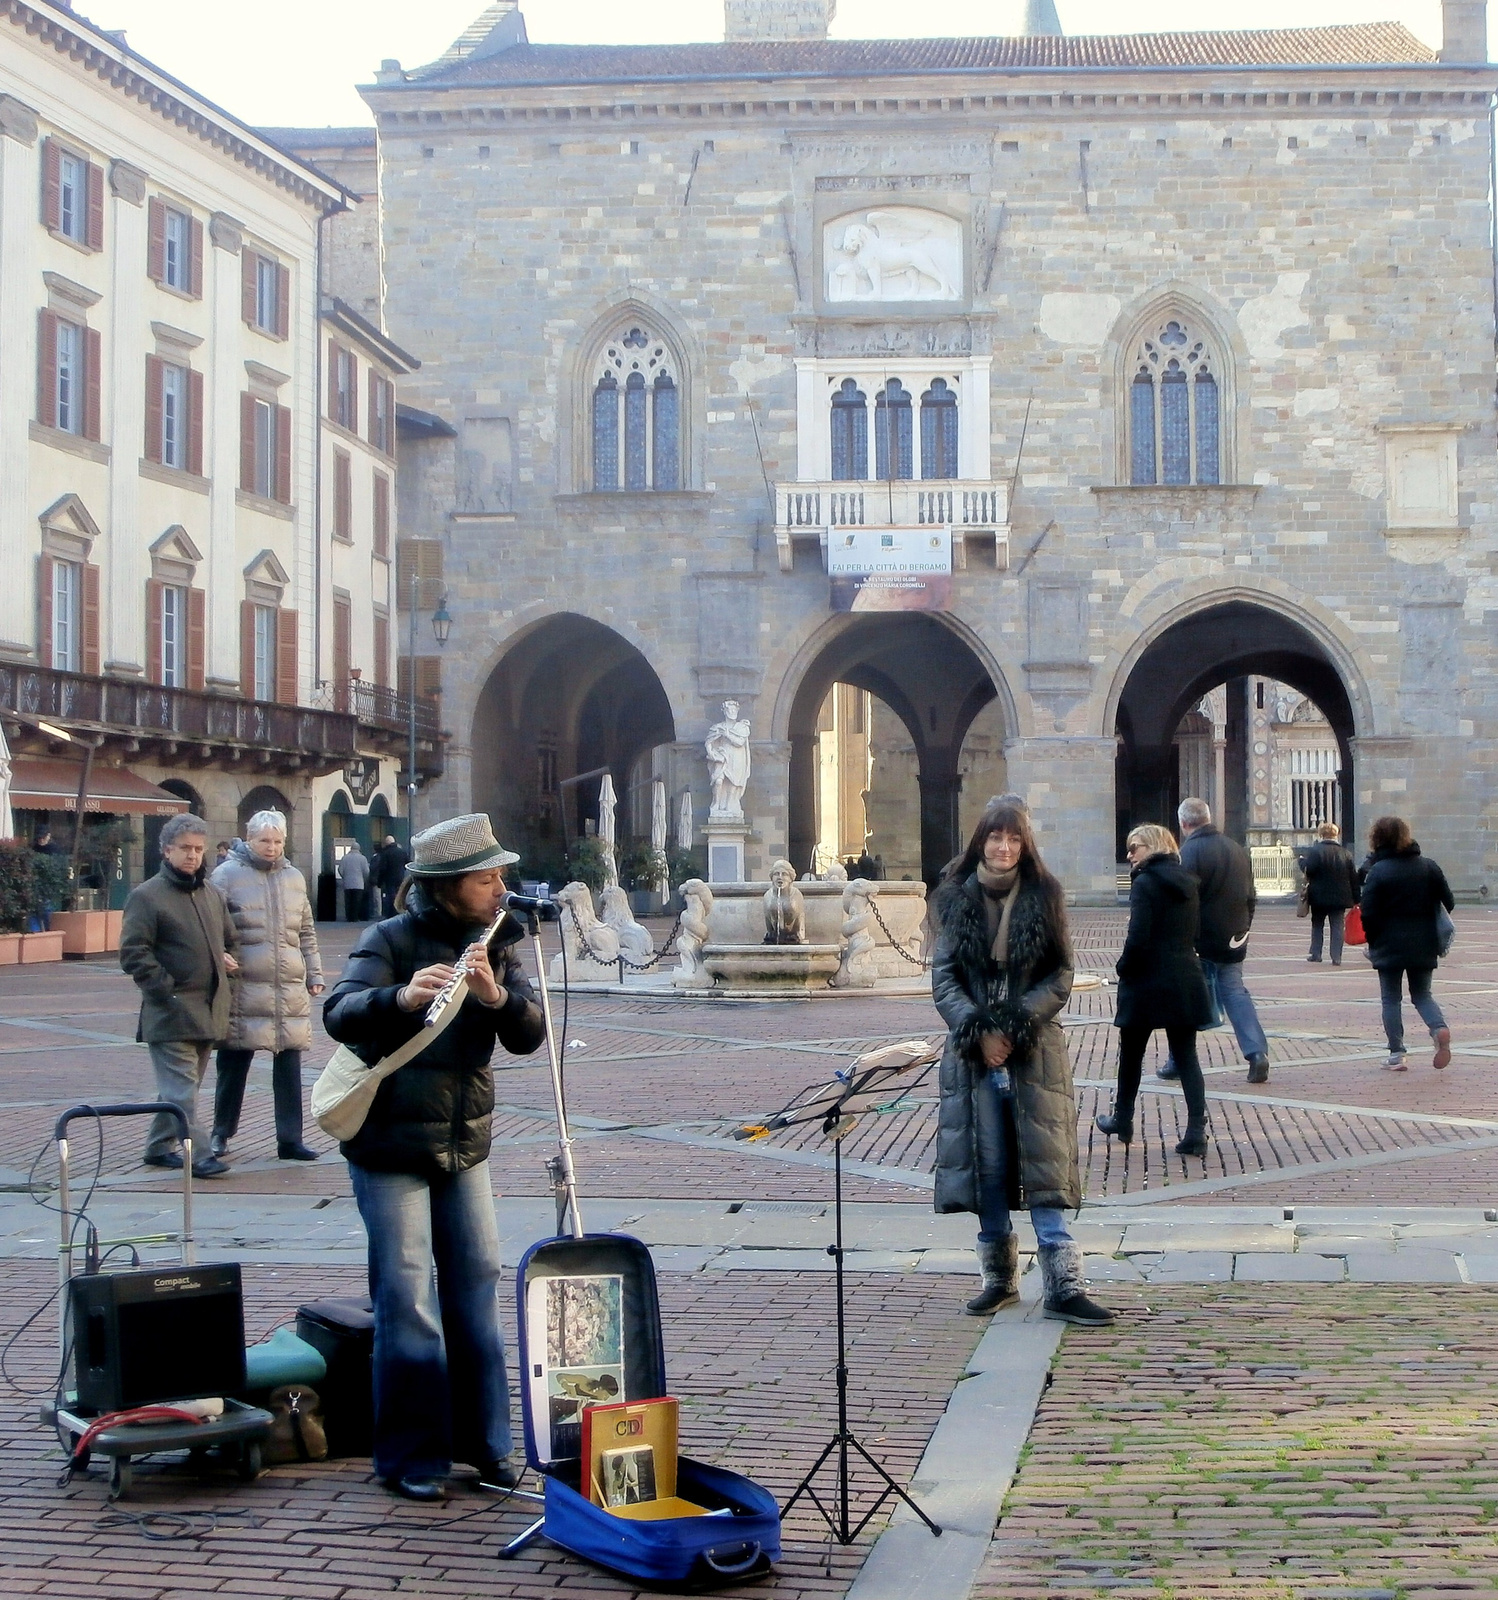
(176,1333)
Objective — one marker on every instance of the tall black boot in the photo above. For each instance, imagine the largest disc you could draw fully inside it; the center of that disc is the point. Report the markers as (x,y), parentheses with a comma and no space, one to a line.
(998,1261)
(1194,1088)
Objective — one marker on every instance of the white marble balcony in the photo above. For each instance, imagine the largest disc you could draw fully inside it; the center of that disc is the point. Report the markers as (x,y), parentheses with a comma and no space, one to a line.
(975,511)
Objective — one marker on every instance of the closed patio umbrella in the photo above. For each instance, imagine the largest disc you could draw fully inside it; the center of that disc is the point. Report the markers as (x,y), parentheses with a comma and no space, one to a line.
(607,802)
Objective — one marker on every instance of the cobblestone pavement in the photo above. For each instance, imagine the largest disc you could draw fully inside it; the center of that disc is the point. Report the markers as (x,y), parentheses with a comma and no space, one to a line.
(1340,1443)
(1324,1189)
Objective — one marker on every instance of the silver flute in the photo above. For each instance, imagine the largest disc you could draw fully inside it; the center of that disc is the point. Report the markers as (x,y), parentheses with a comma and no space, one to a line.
(446,995)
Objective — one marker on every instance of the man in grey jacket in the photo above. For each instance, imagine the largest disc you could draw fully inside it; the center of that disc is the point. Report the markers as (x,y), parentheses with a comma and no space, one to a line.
(177,943)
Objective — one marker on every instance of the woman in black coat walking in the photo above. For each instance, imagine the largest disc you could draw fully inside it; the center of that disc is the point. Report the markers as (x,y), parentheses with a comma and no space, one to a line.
(1160,983)
(1403,893)
(1007,1124)
(420,1163)
(1331,887)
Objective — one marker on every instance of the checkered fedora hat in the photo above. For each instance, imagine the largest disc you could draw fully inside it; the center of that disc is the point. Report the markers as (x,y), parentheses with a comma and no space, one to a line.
(461,844)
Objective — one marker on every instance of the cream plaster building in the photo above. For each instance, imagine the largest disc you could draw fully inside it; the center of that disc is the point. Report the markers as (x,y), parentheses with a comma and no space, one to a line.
(1182,344)
(197,561)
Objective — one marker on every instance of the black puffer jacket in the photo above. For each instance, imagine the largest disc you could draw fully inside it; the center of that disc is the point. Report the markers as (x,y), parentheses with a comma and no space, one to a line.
(1227,896)
(975,996)
(1331,876)
(433,1115)
(1160,982)
(1401,890)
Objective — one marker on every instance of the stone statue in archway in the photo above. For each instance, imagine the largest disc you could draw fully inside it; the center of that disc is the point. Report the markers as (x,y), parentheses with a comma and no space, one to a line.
(727,747)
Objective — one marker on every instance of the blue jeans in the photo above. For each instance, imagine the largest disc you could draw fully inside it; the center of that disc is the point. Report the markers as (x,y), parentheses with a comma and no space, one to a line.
(1420,997)
(1238,1005)
(440,1392)
(998,1147)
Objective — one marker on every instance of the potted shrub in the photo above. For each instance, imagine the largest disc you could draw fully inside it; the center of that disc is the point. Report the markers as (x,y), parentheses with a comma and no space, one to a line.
(17,879)
(588,863)
(51,893)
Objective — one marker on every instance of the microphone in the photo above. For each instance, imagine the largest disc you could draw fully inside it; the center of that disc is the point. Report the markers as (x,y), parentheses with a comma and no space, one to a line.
(530,905)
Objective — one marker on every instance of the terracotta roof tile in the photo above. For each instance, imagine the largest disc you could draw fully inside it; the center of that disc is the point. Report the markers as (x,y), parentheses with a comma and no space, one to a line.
(1362,44)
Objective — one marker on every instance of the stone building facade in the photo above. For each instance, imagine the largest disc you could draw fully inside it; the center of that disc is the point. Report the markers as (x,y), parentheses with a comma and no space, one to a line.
(1184,341)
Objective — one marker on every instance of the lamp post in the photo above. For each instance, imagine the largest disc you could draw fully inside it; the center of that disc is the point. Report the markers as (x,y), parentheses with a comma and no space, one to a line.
(442,624)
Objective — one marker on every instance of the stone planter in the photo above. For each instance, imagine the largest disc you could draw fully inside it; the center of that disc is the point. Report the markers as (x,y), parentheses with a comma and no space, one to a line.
(84,933)
(41,947)
(10,949)
(114,922)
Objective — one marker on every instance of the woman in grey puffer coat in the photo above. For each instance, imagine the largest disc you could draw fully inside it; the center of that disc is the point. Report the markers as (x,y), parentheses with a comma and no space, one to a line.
(279,969)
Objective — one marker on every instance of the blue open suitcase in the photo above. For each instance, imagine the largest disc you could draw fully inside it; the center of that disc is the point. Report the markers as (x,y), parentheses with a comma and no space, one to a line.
(608,1308)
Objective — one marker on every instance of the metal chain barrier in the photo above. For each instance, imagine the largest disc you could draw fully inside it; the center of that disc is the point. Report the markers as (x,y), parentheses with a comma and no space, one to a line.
(915,961)
(622,960)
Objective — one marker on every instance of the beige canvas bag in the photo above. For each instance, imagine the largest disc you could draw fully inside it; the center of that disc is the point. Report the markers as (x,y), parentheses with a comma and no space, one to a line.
(346,1087)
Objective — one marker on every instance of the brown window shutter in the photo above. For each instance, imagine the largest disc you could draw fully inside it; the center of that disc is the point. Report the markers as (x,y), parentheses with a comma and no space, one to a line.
(286,648)
(46,370)
(247,285)
(195,258)
(44,566)
(343,495)
(283,302)
(352,424)
(197,637)
(95,206)
(381,515)
(154,586)
(428,677)
(343,646)
(155,379)
(332,381)
(93,382)
(156,242)
(382,650)
(374,410)
(247,649)
(247,443)
(424,557)
(283,455)
(51,185)
(195,423)
(89,656)
(387,424)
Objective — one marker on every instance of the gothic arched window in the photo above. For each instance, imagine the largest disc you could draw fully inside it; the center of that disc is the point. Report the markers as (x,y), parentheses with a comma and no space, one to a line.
(850,432)
(1174,408)
(893,442)
(939,431)
(636,415)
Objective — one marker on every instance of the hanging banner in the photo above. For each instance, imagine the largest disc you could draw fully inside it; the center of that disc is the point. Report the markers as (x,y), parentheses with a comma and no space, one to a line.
(890,568)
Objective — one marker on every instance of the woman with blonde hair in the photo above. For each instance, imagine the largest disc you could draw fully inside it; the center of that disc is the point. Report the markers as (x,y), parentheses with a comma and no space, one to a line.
(1160,982)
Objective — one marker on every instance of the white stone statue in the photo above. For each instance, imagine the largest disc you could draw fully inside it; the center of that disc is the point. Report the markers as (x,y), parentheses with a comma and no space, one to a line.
(900,253)
(634,941)
(785,907)
(698,898)
(592,949)
(858,967)
(727,747)
(836,873)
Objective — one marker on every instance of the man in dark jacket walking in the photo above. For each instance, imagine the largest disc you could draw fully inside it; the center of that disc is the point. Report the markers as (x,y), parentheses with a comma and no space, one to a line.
(177,942)
(389,872)
(1331,888)
(1228,898)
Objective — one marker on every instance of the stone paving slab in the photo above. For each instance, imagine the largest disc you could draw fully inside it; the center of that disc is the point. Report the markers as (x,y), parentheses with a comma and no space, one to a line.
(1252,1446)
(1405,1266)
(1280,1268)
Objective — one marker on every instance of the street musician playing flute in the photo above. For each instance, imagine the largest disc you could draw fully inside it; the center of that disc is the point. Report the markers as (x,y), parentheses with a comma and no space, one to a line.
(420,1162)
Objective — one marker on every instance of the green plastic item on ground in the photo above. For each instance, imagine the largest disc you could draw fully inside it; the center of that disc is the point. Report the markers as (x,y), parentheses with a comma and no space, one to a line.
(282,1358)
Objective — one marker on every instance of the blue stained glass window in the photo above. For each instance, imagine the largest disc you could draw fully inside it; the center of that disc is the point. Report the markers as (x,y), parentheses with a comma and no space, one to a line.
(634,432)
(1175,426)
(893,441)
(1142,429)
(666,436)
(606,433)
(850,432)
(1207,466)
(939,431)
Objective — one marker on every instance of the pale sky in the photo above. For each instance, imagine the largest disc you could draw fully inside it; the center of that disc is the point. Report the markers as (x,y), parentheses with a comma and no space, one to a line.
(296,61)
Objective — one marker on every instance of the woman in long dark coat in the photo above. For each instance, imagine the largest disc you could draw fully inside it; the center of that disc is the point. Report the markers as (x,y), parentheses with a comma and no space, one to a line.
(1160,983)
(1403,892)
(1007,1124)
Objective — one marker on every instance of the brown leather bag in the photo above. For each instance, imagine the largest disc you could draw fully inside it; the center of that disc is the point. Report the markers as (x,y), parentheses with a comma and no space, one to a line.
(297,1432)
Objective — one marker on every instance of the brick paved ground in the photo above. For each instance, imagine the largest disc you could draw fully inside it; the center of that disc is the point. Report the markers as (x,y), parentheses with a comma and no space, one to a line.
(1258,1444)
(749,1356)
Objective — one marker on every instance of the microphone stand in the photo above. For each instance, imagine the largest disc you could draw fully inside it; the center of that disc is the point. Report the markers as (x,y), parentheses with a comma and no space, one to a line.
(563,1173)
(838,1517)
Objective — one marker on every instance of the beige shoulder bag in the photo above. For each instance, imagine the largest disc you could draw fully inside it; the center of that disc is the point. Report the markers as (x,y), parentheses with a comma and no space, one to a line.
(346,1087)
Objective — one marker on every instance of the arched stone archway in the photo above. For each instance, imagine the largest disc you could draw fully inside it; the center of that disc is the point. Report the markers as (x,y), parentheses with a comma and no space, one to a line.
(568,696)
(932,680)
(1223,644)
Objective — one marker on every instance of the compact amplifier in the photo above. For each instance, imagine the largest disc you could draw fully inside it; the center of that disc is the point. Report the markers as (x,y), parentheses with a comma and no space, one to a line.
(174,1333)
